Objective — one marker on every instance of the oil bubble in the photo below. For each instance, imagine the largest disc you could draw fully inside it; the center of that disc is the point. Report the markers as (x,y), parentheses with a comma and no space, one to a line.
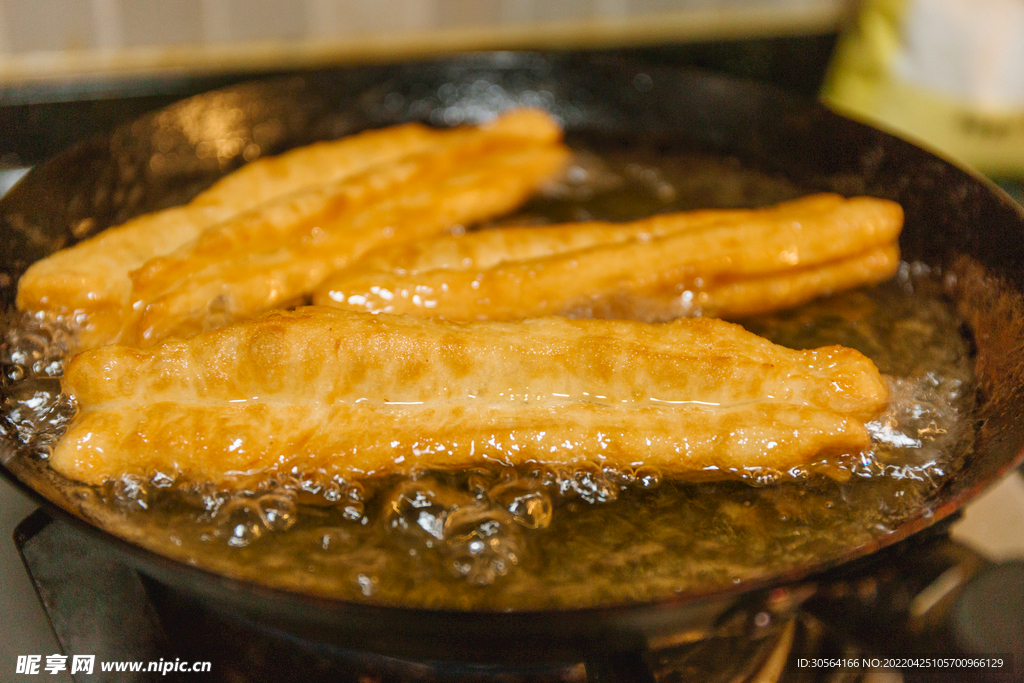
(647,477)
(239,522)
(332,492)
(330,539)
(277,511)
(354,511)
(480,481)
(529,505)
(161,480)
(129,490)
(482,552)
(355,492)
(593,486)
(411,507)
(367,584)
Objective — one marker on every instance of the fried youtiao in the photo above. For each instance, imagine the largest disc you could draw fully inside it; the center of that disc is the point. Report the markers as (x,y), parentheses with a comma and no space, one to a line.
(250,274)
(92,277)
(758,295)
(327,392)
(92,284)
(736,262)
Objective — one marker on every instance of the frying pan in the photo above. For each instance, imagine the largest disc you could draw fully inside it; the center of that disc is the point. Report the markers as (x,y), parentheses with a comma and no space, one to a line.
(955,221)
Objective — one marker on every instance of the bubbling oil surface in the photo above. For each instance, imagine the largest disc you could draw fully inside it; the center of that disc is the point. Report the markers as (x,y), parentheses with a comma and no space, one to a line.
(527,538)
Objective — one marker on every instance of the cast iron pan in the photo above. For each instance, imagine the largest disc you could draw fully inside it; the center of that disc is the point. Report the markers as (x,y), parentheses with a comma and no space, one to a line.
(954,220)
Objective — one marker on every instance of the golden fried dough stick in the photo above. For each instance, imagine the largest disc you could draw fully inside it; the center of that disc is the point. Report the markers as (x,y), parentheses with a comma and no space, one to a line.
(271,272)
(329,392)
(735,299)
(530,272)
(489,248)
(90,281)
(93,274)
(757,295)
(295,217)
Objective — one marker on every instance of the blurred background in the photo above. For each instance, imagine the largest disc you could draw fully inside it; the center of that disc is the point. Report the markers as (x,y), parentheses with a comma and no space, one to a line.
(71,68)
(946,72)
(55,38)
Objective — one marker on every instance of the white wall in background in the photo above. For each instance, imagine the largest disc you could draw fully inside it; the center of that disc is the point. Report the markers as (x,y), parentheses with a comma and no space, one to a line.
(44,31)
